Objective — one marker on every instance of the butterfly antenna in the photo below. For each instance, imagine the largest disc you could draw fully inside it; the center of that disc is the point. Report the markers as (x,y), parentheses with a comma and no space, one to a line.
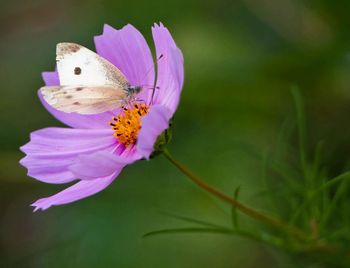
(155,78)
(150,69)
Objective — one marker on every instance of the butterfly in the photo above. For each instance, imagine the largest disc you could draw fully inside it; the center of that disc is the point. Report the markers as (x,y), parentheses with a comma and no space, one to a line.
(89,83)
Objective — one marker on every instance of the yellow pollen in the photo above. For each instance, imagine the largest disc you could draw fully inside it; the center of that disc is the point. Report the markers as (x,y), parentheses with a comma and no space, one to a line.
(127,125)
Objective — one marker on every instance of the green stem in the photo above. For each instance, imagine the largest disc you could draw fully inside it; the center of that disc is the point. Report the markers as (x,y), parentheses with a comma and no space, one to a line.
(251,212)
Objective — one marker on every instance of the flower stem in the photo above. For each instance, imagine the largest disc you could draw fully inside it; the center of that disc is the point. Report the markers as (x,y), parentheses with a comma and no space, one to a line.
(251,212)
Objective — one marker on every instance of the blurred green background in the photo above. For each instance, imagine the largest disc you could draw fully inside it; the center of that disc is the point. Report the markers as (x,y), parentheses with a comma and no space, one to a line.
(241,58)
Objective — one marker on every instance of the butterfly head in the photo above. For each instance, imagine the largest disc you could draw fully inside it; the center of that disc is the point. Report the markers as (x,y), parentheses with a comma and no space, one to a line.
(133,90)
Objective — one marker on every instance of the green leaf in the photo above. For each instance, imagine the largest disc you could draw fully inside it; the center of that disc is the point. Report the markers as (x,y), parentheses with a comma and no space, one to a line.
(316,165)
(264,237)
(192,230)
(234,213)
(187,230)
(299,108)
(340,193)
(284,136)
(192,220)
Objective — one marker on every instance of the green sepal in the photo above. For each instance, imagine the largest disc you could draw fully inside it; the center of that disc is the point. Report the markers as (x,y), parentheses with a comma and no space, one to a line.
(162,141)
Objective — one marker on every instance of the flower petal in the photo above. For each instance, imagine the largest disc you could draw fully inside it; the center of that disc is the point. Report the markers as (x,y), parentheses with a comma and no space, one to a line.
(75,192)
(153,124)
(127,49)
(99,164)
(74,120)
(170,69)
(51,78)
(52,150)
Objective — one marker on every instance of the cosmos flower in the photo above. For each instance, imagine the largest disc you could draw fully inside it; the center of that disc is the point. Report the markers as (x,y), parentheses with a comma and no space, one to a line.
(95,148)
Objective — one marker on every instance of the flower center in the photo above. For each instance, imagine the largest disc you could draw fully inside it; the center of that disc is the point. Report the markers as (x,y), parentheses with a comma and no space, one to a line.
(127,125)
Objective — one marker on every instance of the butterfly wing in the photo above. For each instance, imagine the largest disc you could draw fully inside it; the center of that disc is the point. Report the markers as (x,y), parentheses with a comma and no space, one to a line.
(89,83)
(78,65)
(84,99)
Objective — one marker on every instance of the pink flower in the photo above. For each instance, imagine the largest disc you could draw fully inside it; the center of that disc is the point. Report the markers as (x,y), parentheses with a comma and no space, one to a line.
(90,150)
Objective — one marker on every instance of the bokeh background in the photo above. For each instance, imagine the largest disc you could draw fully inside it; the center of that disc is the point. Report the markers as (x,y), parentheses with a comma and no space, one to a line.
(241,59)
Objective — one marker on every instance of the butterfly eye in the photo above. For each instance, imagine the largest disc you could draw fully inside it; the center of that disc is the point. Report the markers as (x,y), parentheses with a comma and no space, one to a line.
(77,71)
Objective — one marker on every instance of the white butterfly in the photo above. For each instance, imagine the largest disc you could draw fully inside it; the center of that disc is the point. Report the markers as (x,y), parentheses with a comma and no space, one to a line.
(89,83)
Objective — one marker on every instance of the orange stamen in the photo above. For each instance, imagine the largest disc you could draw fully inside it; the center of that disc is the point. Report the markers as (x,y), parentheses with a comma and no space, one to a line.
(127,125)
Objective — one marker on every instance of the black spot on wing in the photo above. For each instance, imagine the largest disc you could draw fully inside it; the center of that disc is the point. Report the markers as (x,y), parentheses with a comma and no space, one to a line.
(77,70)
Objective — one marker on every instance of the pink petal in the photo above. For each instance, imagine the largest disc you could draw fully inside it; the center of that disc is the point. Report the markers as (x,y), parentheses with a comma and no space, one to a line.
(73,119)
(99,164)
(153,124)
(52,150)
(127,49)
(78,191)
(170,68)
(51,78)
